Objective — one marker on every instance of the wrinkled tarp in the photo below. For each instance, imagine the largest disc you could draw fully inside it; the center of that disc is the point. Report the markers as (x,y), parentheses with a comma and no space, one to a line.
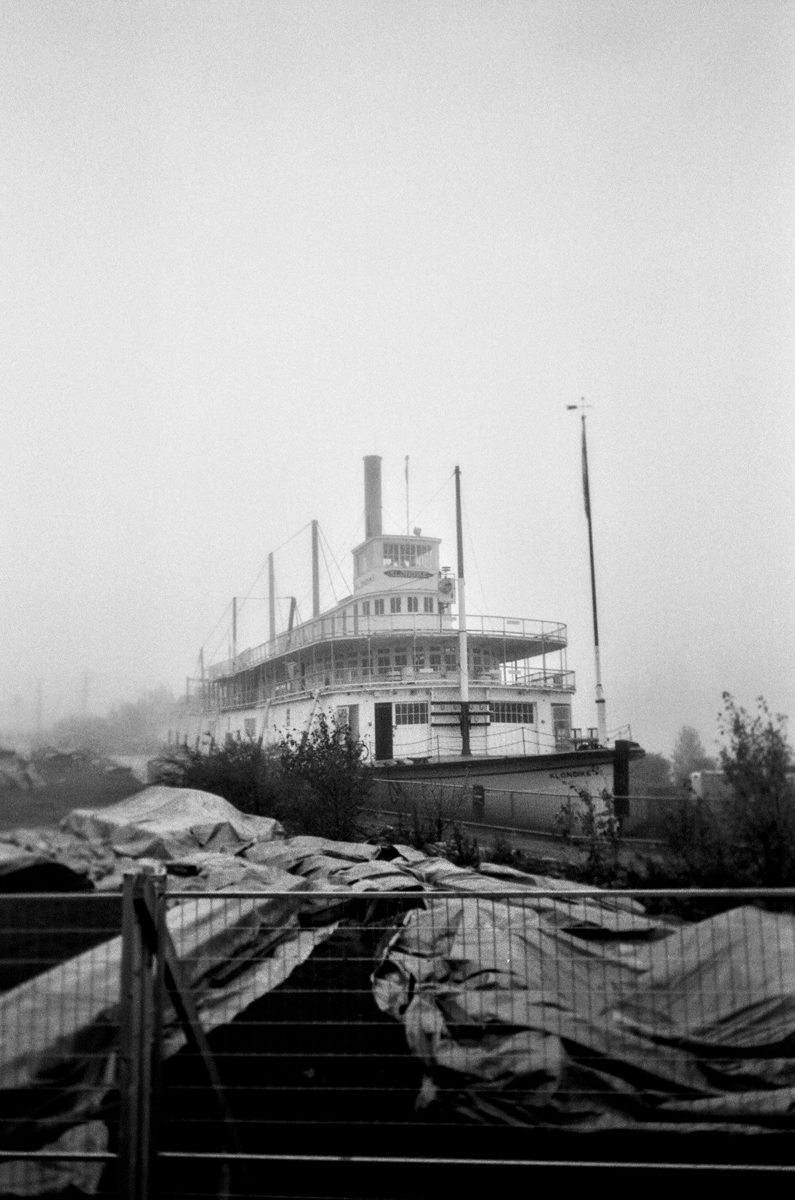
(18,772)
(25,871)
(59,1030)
(539,1008)
(520,1019)
(164,822)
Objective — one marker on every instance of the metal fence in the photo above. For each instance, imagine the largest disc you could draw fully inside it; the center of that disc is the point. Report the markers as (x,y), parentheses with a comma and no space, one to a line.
(337,1043)
(502,812)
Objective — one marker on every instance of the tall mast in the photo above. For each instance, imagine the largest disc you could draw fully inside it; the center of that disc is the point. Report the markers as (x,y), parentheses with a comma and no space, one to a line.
(271,599)
(463,651)
(601,713)
(315,571)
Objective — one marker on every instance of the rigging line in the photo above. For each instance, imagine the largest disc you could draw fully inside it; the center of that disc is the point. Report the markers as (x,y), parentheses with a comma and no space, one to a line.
(291,538)
(390,517)
(342,575)
(471,541)
(358,524)
(418,512)
(247,596)
(264,565)
(215,626)
(328,572)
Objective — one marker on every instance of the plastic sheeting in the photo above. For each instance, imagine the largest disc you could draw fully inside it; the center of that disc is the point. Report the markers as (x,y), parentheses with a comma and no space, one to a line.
(519,1018)
(165,822)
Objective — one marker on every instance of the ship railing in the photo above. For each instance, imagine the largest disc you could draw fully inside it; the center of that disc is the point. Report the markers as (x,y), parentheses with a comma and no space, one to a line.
(235,698)
(547,636)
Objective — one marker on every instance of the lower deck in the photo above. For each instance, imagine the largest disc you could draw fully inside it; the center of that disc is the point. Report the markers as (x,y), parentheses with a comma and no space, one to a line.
(400,720)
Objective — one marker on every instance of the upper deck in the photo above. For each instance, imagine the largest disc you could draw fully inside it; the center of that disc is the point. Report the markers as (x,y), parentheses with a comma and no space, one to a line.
(510,639)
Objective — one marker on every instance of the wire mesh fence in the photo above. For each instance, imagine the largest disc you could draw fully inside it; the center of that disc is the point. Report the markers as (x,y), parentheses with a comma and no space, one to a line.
(346,1042)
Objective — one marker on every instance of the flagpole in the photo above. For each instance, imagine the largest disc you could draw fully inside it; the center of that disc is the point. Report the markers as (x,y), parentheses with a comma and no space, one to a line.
(601,707)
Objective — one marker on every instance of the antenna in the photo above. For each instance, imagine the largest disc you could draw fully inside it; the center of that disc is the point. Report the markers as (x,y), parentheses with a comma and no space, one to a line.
(408,523)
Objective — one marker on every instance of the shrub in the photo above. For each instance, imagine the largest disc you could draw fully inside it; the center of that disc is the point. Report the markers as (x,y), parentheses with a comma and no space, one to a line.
(592,821)
(241,771)
(748,839)
(325,777)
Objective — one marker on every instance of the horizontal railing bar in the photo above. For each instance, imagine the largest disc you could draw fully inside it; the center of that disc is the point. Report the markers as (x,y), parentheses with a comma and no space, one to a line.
(395,1160)
(60,1155)
(345,892)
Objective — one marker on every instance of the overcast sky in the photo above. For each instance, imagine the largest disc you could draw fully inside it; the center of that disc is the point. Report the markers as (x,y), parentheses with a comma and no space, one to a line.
(246,243)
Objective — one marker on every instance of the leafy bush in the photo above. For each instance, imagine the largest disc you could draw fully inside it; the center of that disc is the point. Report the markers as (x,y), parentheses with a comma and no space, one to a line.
(314,783)
(240,771)
(430,813)
(593,822)
(748,839)
(326,778)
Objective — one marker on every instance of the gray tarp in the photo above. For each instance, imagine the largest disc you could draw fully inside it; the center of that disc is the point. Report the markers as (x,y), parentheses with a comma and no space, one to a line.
(519,1019)
(538,1008)
(164,822)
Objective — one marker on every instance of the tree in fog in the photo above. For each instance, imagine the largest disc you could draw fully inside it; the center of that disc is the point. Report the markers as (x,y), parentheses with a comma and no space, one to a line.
(689,755)
(135,727)
(748,838)
(650,776)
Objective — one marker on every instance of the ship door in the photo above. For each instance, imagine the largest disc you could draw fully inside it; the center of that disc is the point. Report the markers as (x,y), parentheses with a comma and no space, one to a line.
(383,731)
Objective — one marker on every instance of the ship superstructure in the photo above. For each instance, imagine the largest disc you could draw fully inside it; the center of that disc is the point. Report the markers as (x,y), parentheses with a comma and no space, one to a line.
(386,660)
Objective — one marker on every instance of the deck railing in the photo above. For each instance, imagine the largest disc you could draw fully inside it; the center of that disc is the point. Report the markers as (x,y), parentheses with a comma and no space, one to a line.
(549,636)
(239,698)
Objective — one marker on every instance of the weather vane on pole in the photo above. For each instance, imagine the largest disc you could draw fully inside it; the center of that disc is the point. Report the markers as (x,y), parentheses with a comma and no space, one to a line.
(601,715)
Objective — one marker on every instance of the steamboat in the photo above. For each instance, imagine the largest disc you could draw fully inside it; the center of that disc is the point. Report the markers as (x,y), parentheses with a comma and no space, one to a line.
(432,691)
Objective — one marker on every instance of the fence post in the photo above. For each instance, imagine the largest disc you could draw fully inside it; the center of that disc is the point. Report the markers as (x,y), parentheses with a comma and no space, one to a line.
(139,1037)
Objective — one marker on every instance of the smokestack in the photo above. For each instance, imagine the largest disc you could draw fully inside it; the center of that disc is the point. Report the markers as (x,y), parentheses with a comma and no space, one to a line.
(372,495)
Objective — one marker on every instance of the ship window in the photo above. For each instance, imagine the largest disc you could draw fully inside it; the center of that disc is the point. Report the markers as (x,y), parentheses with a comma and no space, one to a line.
(428,603)
(379,607)
(412,604)
(400,658)
(394,604)
(365,608)
(407,554)
(411,714)
(436,658)
(512,712)
(383,660)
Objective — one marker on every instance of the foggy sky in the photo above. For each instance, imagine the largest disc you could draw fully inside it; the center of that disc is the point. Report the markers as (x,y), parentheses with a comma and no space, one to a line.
(246,243)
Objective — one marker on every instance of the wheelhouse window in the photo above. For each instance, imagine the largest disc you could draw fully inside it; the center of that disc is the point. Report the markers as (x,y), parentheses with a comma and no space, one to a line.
(428,603)
(365,608)
(412,604)
(378,607)
(414,713)
(512,712)
(394,604)
(408,554)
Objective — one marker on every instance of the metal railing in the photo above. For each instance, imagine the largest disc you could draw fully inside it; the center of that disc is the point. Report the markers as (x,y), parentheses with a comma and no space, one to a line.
(303,1043)
(510,813)
(336,678)
(546,636)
